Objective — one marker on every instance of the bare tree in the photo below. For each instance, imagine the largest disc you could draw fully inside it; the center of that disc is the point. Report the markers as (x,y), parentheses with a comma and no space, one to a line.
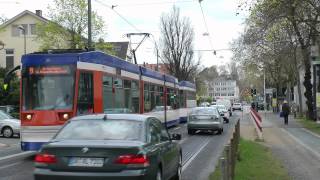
(176,43)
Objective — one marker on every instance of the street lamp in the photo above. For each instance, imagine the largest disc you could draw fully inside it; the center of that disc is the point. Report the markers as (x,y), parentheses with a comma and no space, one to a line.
(24,36)
(1,45)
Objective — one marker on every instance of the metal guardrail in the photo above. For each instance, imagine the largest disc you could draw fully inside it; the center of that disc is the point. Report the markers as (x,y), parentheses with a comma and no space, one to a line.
(230,155)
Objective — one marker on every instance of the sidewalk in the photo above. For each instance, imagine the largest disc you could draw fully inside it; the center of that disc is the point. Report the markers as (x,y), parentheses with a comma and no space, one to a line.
(298,149)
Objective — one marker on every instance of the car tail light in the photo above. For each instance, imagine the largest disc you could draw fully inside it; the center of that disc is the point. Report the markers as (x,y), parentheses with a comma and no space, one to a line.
(45,159)
(131,159)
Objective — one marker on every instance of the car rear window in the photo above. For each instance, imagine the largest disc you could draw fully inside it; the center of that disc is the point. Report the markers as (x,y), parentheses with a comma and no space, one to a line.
(102,130)
(204,111)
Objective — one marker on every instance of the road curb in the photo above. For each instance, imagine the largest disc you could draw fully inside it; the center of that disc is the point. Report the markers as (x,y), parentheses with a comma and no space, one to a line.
(18,156)
(308,131)
(302,144)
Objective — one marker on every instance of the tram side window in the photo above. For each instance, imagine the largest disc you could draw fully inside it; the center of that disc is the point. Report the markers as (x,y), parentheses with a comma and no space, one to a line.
(119,93)
(135,96)
(85,96)
(147,102)
(107,92)
(182,99)
(171,98)
(127,94)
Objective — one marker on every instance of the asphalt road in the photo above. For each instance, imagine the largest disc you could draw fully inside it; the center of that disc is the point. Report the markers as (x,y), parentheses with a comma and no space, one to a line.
(200,154)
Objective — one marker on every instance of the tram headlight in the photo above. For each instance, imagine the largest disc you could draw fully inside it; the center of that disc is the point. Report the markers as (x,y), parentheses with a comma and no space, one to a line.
(29,116)
(65,116)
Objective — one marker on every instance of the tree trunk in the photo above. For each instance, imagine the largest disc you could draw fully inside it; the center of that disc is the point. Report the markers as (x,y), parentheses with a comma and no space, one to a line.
(307,83)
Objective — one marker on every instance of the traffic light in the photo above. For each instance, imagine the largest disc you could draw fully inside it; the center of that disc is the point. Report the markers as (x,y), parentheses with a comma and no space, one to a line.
(253,92)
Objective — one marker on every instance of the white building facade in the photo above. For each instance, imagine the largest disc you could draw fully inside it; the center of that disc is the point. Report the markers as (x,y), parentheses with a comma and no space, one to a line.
(223,88)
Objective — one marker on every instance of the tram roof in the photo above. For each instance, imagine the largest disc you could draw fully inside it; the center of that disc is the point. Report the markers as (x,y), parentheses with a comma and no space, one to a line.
(95,57)
(187,84)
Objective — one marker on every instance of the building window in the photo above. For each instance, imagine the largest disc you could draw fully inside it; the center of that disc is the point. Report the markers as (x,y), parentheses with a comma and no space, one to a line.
(9,62)
(32,29)
(9,58)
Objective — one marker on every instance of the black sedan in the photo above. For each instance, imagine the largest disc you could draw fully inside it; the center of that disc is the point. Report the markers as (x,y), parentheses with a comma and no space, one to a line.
(110,147)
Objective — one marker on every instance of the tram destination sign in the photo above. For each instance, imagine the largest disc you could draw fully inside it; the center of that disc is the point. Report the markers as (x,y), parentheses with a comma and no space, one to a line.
(49,70)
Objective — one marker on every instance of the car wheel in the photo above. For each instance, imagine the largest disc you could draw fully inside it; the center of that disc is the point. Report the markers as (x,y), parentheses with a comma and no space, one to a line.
(159,175)
(191,131)
(7,132)
(179,170)
(220,131)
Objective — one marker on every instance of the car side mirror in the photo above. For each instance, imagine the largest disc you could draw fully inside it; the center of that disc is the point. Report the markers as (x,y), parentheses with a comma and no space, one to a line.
(175,136)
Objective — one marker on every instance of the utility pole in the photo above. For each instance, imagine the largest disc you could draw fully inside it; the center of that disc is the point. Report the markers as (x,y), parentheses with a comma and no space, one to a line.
(89,25)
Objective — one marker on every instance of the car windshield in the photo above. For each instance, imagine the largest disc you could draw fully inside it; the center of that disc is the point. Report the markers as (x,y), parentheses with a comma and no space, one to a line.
(101,130)
(48,87)
(204,111)
(5,116)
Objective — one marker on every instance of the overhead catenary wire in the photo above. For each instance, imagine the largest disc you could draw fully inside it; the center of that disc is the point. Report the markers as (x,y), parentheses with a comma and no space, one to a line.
(206,26)
(155,3)
(128,22)
(121,16)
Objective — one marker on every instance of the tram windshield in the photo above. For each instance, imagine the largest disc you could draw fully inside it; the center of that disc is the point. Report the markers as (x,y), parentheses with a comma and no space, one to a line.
(48,87)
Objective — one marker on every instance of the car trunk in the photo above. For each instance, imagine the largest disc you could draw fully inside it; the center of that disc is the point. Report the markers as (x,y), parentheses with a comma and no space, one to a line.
(204,118)
(95,156)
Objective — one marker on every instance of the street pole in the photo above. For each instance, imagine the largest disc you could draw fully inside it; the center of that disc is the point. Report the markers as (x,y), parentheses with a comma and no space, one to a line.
(25,42)
(89,25)
(24,38)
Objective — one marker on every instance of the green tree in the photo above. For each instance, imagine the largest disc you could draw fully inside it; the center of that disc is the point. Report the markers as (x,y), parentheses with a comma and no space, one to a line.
(13,95)
(104,47)
(68,25)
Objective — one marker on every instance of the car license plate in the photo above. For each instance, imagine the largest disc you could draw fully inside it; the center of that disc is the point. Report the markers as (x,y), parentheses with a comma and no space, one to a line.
(86,162)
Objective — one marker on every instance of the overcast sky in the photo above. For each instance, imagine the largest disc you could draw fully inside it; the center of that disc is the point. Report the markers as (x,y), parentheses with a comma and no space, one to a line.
(220,15)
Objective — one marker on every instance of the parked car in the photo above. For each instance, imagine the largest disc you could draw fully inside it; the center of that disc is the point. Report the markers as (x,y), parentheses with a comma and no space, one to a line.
(110,147)
(204,119)
(223,111)
(9,126)
(237,106)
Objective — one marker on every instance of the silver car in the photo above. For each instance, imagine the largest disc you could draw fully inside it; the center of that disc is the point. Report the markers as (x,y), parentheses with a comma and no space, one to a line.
(204,119)
(9,125)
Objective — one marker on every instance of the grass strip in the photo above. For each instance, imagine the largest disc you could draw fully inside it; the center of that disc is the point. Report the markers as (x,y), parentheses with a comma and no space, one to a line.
(310,125)
(256,162)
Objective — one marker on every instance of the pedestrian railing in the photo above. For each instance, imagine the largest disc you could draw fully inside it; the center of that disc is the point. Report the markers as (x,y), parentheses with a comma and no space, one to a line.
(255,116)
(230,155)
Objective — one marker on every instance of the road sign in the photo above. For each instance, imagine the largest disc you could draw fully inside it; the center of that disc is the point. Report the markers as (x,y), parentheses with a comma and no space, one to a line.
(269,91)
(274,102)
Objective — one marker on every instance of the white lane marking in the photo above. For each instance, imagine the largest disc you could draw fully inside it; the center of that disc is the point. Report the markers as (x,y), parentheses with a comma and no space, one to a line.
(9,165)
(312,133)
(23,154)
(302,144)
(186,164)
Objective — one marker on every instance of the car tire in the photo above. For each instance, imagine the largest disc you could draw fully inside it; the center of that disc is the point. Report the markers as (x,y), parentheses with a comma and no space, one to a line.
(190,131)
(220,131)
(178,175)
(159,174)
(7,132)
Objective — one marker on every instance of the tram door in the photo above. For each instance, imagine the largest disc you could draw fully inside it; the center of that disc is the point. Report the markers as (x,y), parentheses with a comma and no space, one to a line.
(85,93)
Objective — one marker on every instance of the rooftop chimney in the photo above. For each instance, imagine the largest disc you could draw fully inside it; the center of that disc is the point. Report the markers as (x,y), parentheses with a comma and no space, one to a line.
(39,13)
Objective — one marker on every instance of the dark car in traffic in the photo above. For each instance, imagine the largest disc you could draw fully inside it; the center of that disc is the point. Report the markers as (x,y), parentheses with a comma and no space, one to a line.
(111,147)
